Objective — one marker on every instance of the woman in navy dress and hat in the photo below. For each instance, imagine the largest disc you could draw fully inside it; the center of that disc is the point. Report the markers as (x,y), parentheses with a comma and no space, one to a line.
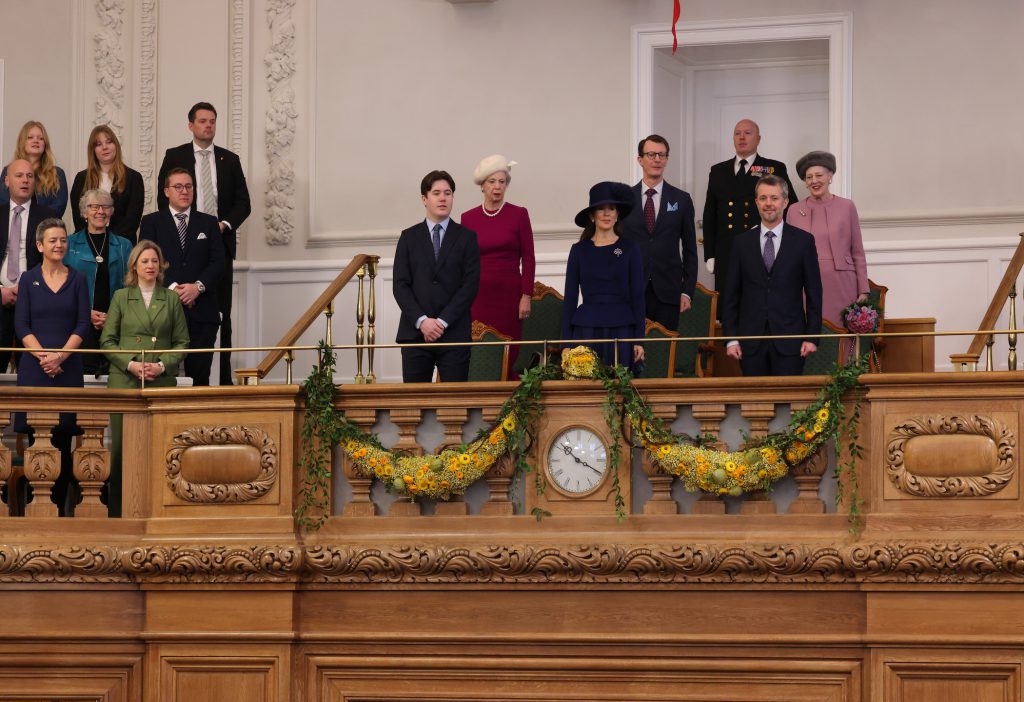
(608,270)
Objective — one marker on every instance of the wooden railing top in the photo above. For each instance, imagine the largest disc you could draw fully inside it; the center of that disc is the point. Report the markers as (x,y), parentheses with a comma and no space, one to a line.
(309,316)
(995,306)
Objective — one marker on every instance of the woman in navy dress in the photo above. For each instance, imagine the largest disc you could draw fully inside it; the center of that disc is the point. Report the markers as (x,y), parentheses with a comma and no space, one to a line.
(52,312)
(608,269)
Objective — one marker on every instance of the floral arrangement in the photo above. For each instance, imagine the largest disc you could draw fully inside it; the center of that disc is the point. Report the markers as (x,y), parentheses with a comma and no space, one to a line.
(695,461)
(861,317)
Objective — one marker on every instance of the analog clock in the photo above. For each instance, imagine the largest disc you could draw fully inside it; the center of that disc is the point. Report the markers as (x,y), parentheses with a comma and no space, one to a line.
(577,461)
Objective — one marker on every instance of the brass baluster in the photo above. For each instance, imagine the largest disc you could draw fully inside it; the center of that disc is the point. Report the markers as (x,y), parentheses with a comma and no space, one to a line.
(371,318)
(1011,363)
(360,378)
(988,352)
(289,356)
(328,313)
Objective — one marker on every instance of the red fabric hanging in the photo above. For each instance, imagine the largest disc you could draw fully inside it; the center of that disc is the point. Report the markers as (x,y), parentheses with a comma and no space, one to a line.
(675,18)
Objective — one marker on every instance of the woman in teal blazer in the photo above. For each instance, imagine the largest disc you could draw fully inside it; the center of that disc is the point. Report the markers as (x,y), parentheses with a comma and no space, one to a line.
(143,315)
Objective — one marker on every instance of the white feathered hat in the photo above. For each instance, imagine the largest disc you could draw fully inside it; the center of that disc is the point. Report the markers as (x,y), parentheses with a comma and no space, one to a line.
(492,164)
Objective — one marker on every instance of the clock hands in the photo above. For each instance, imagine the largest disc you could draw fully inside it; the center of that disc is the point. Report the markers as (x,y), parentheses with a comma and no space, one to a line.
(568,452)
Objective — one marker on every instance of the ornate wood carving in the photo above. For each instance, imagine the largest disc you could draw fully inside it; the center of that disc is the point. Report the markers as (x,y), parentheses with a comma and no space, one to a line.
(280,123)
(92,464)
(894,562)
(42,465)
(222,492)
(109,62)
(950,486)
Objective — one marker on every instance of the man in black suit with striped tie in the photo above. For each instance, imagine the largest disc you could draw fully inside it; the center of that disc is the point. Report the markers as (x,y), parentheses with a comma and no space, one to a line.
(192,248)
(437,273)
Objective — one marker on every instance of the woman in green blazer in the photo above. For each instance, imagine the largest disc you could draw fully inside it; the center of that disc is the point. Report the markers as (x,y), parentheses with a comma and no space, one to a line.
(143,315)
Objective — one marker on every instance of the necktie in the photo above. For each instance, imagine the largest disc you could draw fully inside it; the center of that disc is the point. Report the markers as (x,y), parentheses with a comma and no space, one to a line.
(769,251)
(206,186)
(435,239)
(14,246)
(649,210)
(742,169)
(182,229)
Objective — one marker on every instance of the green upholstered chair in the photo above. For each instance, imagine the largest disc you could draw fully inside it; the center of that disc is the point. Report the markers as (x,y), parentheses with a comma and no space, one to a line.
(693,358)
(876,294)
(829,353)
(544,323)
(660,356)
(488,362)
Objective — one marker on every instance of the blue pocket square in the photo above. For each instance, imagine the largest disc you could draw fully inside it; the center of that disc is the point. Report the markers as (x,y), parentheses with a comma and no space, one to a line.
(672,207)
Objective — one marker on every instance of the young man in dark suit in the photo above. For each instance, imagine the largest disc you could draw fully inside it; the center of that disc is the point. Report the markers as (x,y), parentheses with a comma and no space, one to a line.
(437,273)
(661,224)
(19,219)
(190,243)
(220,191)
(729,208)
(773,270)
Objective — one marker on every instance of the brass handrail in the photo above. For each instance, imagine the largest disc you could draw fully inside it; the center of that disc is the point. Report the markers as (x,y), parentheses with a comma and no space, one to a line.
(322,305)
(995,308)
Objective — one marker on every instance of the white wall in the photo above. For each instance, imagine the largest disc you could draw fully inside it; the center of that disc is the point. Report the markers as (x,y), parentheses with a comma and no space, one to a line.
(384,91)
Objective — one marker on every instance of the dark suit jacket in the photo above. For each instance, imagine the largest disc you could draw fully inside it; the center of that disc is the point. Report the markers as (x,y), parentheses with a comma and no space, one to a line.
(201,259)
(128,203)
(444,288)
(36,214)
(730,210)
(757,302)
(669,274)
(233,204)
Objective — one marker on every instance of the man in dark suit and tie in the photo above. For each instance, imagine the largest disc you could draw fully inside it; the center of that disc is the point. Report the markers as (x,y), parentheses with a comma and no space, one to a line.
(729,208)
(437,273)
(221,192)
(773,270)
(190,241)
(18,253)
(661,224)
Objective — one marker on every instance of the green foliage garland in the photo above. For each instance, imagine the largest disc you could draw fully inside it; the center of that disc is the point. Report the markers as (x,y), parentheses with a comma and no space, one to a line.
(698,465)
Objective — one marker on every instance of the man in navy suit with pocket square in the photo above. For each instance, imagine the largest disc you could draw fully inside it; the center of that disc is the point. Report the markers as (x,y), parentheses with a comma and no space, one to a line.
(773,288)
(191,244)
(436,276)
(661,224)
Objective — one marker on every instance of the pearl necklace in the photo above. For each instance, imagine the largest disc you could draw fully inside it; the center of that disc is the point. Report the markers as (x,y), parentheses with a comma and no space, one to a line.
(496,212)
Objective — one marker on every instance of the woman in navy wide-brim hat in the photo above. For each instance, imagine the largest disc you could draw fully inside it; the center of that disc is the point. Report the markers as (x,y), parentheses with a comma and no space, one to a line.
(608,270)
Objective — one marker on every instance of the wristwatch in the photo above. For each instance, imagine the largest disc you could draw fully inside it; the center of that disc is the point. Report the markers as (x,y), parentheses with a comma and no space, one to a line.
(202,288)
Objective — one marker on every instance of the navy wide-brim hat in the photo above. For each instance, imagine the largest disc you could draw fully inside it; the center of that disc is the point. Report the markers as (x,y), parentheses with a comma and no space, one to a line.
(607,193)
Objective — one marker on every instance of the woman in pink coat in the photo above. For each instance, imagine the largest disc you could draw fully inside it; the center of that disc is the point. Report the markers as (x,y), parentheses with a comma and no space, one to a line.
(836,228)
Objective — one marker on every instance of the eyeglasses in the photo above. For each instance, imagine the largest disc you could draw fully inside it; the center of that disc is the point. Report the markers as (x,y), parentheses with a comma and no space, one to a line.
(181,187)
(656,155)
(98,208)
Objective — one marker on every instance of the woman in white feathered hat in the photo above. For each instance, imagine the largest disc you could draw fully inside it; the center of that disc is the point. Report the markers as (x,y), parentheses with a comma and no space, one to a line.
(506,252)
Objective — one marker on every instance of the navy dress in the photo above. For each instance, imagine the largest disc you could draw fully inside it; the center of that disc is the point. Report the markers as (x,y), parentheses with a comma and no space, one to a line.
(612,281)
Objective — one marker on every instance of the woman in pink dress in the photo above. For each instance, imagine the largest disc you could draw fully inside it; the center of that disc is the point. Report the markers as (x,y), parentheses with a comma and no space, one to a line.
(507,265)
(836,228)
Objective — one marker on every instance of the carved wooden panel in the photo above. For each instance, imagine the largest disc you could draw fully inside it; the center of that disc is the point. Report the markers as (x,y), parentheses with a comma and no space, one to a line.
(215,673)
(487,678)
(954,456)
(70,676)
(246,458)
(952,681)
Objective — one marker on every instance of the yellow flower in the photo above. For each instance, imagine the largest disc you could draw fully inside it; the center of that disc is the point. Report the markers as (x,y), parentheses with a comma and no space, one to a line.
(389,471)
(350,446)
(465,458)
(360,453)
(445,484)
(762,474)
(509,424)
(408,479)
(664,450)
(818,427)
(422,470)
(823,414)
(494,438)
(722,490)
(459,474)
(730,466)
(808,435)
(373,462)
(413,487)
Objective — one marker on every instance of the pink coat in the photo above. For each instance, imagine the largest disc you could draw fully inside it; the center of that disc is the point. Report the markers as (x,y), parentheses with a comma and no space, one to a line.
(836,229)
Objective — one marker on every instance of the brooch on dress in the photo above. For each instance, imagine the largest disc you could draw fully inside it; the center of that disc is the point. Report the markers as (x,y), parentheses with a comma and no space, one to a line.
(617,251)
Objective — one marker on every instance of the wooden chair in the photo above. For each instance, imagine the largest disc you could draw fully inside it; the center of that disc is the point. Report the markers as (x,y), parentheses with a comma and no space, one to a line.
(876,294)
(488,362)
(544,323)
(693,359)
(659,357)
(829,353)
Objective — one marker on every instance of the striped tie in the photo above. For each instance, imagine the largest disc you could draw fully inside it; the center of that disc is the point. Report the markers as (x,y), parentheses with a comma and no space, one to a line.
(182,228)
(209,204)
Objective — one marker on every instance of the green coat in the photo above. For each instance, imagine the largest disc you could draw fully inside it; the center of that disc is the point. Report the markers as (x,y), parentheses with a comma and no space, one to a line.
(131,326)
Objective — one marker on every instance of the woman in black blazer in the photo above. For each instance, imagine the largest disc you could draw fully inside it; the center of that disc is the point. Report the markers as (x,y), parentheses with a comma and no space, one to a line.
(106,171)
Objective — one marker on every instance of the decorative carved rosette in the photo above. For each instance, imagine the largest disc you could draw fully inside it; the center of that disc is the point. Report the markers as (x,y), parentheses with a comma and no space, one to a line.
(951,486)
(222,492)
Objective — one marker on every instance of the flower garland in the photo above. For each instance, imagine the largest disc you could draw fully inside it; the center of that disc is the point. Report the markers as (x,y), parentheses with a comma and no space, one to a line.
(694,461)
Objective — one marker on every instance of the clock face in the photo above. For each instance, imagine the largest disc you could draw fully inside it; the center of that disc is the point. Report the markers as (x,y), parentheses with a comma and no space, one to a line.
(577,461)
